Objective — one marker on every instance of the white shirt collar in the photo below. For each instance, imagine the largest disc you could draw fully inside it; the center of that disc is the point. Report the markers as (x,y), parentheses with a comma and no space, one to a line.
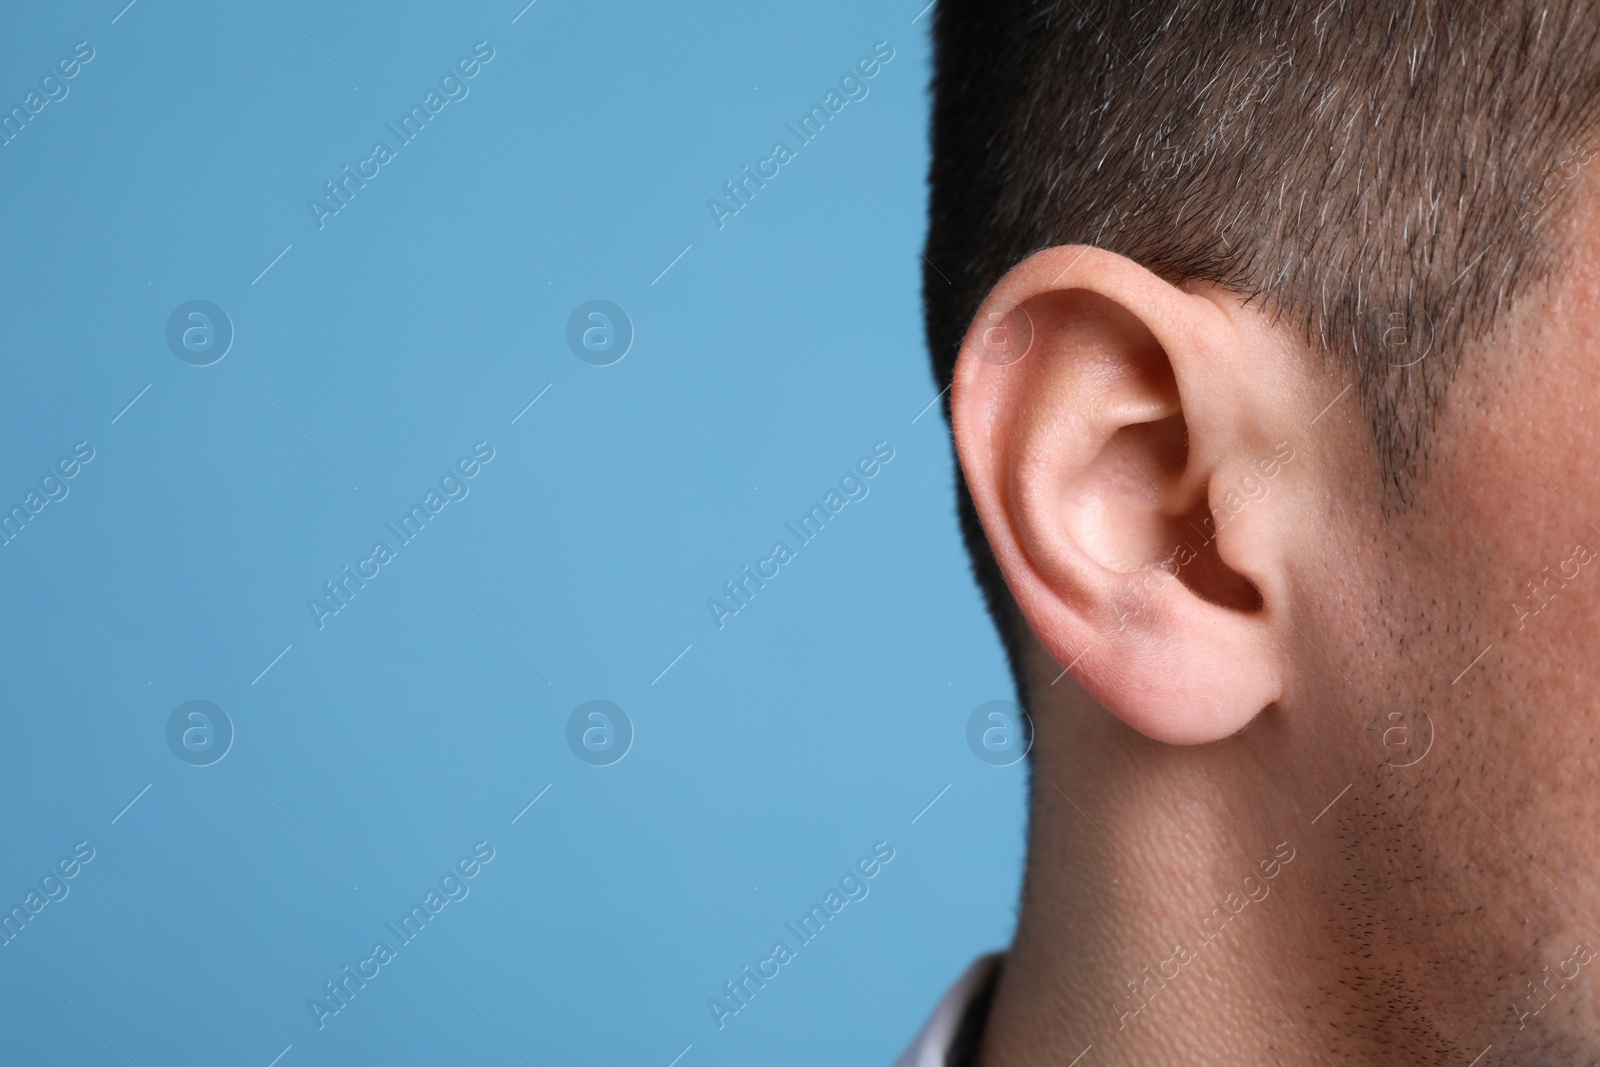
(931,1047)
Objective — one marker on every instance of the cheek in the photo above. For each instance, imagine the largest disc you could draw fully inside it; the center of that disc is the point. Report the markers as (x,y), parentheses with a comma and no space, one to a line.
(1426,616)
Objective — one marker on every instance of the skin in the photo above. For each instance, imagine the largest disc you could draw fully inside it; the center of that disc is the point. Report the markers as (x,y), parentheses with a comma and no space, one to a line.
(1215,721)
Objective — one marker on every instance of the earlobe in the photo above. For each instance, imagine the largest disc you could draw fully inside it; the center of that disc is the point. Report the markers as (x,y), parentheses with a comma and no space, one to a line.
(1103,416)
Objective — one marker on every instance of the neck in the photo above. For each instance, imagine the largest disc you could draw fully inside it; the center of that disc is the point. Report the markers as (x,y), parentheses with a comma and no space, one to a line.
(1198,905)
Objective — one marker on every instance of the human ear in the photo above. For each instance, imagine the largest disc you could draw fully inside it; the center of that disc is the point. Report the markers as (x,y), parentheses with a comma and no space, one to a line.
(1106,422)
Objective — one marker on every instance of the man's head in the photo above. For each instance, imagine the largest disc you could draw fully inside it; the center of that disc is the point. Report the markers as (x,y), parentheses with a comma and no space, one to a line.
(1379,175)
(1271,332)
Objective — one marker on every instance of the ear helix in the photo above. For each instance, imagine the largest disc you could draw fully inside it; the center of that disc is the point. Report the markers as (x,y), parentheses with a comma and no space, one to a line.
(1005,337)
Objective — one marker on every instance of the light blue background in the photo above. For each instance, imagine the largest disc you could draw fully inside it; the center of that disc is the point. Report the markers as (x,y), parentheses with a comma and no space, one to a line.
(774,752)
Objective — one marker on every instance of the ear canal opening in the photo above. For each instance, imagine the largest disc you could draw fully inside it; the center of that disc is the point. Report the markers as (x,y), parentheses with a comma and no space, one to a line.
(1157,453)
(1205,574)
